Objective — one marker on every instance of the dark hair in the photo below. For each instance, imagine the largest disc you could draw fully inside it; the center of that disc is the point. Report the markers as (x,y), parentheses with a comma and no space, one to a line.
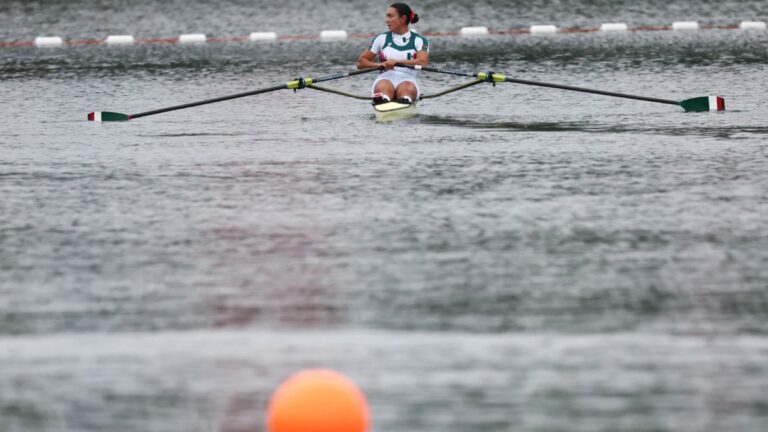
(404,9)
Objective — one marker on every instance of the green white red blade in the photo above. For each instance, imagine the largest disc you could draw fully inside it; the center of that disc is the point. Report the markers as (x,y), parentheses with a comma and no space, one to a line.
(106,116)
(704,104)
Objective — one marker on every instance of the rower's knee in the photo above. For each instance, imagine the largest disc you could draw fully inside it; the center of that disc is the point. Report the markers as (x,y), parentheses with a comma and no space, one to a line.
(385,87)
(406,88)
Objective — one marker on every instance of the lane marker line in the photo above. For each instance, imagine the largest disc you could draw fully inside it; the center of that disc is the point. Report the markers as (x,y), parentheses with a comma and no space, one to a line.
(334,35)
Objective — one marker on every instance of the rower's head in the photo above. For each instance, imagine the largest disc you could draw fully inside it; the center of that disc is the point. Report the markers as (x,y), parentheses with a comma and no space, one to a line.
(399,16)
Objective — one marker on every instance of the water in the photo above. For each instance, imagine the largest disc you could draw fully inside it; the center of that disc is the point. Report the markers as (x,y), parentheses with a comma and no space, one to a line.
(513,259)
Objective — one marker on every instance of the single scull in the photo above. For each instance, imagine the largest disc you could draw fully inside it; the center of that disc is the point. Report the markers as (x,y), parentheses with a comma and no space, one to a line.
(395,110)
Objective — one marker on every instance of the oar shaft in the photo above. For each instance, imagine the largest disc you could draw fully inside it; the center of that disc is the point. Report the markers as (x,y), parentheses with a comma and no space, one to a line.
(295,84)
(593,91)
(208,101)
(501,78)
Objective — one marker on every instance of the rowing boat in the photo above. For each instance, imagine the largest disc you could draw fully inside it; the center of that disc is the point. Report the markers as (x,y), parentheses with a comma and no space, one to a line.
(393,111)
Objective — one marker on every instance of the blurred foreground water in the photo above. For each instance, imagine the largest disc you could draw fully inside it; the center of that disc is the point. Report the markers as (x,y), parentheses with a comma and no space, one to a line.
(514,258)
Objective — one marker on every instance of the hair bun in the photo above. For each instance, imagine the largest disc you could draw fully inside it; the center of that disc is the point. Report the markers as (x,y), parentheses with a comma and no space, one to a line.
(415,19)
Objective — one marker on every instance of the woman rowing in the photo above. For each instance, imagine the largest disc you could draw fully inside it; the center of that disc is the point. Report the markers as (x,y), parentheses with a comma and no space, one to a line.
(398,45)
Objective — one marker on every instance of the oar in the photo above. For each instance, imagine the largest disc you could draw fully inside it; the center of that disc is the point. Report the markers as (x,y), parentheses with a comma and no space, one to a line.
(697,104)
(297,84)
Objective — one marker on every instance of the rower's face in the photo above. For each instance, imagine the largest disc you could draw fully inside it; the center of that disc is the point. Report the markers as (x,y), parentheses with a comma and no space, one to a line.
(394,20)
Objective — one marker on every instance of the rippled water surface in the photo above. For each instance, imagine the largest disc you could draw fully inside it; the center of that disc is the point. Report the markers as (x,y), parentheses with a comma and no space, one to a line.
(512,259)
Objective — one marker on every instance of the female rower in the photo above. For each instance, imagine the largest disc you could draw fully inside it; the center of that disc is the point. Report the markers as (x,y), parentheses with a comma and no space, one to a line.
(398,45)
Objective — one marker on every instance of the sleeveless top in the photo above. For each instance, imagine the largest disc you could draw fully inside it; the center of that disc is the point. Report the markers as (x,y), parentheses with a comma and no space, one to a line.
(390,46)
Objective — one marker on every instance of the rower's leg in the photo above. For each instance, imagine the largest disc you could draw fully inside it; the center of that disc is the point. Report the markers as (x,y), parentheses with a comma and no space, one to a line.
(385,87)
(406,88)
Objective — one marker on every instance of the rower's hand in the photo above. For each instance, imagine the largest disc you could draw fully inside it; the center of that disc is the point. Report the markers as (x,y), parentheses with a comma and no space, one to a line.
(390,64)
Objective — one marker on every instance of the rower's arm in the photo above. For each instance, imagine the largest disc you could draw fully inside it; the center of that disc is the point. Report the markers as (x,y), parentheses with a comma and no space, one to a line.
(365,60)
(421,58)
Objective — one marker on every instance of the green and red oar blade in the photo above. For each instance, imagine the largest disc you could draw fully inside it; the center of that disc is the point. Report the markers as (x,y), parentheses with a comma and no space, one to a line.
(106,116)
(703,104)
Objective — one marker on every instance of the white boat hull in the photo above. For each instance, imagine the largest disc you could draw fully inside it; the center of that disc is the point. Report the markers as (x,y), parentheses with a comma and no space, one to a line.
(393,111)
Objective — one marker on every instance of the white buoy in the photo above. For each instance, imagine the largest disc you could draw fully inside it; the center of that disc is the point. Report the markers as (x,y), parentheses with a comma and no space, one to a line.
(685,25)
(752,25)
(614,27)
(195,38)
(263,36)
(543,29)
(48,41)
(474,31)
(333,34)
(120,40)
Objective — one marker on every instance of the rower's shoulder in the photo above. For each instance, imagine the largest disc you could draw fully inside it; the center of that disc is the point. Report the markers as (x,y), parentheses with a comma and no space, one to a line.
(381,35)
(418,35)
(378,42)
(421,43)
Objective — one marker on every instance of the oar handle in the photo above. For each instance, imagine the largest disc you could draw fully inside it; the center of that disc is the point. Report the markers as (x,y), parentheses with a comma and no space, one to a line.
(495,77)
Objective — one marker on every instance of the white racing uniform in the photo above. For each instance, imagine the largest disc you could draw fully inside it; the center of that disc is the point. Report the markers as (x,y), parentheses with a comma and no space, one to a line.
(391,46)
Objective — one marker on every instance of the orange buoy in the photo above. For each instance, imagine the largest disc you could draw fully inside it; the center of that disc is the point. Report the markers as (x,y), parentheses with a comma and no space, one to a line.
(318,400)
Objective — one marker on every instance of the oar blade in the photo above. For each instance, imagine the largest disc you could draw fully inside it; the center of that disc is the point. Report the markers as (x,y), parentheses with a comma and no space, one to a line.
(704,104)
(106,116)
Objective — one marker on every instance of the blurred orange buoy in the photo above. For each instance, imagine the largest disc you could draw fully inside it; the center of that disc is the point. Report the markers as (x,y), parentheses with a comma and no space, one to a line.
(318,400)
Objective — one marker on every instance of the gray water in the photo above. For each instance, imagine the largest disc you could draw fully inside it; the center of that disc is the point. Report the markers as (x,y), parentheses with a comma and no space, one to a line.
(512,259)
